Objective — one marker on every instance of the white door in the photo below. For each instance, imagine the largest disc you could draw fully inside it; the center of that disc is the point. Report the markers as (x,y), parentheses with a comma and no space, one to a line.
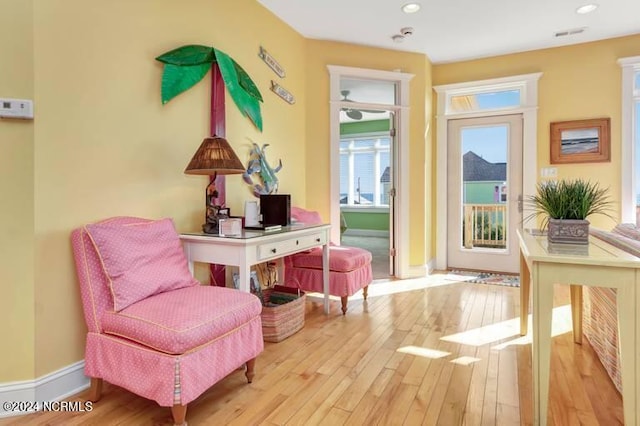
(484,193)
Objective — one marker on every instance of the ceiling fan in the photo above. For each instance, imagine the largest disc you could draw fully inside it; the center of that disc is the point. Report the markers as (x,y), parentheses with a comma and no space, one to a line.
(355,114)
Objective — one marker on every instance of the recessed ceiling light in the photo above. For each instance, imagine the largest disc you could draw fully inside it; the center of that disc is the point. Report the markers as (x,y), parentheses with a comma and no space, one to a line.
(411,8)
(587,8)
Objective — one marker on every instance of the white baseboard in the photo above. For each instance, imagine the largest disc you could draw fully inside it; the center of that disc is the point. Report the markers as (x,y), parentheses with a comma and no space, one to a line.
(431,266)
(366,233)
(417,271)
(54,386)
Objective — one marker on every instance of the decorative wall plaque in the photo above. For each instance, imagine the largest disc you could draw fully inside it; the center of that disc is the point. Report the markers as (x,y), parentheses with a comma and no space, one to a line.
(271,62)
(282,92)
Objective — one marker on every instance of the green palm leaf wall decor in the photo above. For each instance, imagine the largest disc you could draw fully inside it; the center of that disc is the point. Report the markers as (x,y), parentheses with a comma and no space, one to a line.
(187,65)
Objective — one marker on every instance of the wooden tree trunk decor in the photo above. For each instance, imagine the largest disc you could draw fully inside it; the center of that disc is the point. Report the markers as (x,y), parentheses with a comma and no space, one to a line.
(186,66)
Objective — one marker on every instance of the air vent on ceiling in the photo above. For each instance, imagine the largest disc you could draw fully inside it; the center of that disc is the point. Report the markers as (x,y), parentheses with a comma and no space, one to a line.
(570,32)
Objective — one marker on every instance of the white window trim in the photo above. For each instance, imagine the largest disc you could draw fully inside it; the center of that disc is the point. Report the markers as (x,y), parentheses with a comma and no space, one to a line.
(528,85)
(401,160)
(628,167)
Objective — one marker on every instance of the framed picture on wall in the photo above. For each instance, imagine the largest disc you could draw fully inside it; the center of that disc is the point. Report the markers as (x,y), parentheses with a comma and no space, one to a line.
(581,141)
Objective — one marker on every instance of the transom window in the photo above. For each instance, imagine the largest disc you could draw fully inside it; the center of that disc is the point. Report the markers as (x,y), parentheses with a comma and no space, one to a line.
(495,99)
(364,170)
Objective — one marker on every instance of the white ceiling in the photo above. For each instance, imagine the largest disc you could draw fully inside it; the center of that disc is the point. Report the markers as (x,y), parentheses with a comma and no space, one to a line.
(454,30)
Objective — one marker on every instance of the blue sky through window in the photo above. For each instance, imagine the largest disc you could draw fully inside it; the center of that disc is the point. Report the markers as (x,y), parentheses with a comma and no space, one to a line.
(489,143)
(507,98)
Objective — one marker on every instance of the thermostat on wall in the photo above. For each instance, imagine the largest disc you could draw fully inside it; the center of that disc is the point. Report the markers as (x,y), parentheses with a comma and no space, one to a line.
(16,108)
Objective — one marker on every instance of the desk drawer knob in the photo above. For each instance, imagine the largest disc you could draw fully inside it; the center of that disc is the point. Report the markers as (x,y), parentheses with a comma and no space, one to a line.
(317,240)
(273,250)
(297,242)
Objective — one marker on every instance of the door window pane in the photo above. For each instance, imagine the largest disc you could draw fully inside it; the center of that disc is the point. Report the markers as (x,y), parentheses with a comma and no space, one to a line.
(484,186)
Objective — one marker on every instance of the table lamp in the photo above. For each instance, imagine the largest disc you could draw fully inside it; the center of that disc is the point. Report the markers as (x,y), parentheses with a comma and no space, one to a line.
(214,157)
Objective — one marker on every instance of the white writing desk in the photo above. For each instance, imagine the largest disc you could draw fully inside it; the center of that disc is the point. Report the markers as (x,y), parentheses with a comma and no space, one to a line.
(253,247)
(599,265)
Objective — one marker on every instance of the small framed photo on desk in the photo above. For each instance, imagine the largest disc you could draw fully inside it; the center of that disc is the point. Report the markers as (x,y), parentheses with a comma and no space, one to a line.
(229,227)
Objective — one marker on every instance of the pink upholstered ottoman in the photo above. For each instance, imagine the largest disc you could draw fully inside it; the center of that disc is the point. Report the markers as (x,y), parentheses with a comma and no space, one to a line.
(349,271)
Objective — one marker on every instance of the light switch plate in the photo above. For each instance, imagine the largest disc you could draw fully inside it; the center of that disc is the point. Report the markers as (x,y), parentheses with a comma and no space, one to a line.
(16,108)
(549,172)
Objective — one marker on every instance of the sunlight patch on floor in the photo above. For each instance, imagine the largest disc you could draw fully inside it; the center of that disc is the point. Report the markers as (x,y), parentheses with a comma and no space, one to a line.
(561,324)
(465,360)
(423,352)
(386,287)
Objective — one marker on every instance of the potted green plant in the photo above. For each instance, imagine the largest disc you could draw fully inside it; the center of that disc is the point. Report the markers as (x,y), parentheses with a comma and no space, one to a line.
(566,204)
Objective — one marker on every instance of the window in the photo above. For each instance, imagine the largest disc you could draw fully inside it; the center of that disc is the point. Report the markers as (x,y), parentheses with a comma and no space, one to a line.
(364,171)
(481,101)
(631,139)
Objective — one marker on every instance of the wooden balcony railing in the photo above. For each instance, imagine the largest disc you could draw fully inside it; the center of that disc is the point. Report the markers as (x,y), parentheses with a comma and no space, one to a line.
(485,225)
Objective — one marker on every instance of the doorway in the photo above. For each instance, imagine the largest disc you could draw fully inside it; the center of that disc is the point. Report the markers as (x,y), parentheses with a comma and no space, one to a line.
(367,182)
(517,94)
(485,192)
(396,107)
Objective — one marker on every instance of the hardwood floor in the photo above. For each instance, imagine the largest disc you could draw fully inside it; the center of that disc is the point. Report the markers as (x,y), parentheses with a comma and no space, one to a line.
(423,351)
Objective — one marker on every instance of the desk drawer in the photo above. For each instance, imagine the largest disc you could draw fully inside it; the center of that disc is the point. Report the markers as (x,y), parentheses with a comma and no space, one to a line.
(313,240)
(283,248)
(276,249)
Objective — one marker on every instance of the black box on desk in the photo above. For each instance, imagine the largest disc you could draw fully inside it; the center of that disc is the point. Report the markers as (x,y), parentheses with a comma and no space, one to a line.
(275,209)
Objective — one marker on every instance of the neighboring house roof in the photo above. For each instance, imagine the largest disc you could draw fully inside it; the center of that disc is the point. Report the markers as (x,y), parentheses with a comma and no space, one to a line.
(477,169)
(386,175)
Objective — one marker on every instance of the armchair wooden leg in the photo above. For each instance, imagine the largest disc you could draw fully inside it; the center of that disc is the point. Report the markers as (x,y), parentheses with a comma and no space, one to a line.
(179,413)
(251,364)
(95,391)
(344,299)
(365,292)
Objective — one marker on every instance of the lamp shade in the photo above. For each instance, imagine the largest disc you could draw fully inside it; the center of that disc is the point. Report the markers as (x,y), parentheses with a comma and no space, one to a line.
(215,156)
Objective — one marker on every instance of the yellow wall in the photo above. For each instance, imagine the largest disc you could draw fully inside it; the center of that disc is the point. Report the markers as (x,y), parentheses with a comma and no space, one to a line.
(16,190)
(319,55)
(102,144)
(578,82)
(105,145)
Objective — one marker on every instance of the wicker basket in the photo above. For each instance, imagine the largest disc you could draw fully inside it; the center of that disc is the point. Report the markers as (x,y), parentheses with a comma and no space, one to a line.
(281,321)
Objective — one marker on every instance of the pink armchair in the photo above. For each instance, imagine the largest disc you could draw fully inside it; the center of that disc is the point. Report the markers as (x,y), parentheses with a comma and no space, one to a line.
(152,328)
(349,267)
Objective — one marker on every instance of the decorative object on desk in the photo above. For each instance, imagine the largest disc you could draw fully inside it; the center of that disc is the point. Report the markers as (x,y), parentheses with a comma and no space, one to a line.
(565,205)
(187,65)
(275,209)
(214,156)
(251,214)
(282,92)
(271,62)
(259,165)
(229,226)
(580,141)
